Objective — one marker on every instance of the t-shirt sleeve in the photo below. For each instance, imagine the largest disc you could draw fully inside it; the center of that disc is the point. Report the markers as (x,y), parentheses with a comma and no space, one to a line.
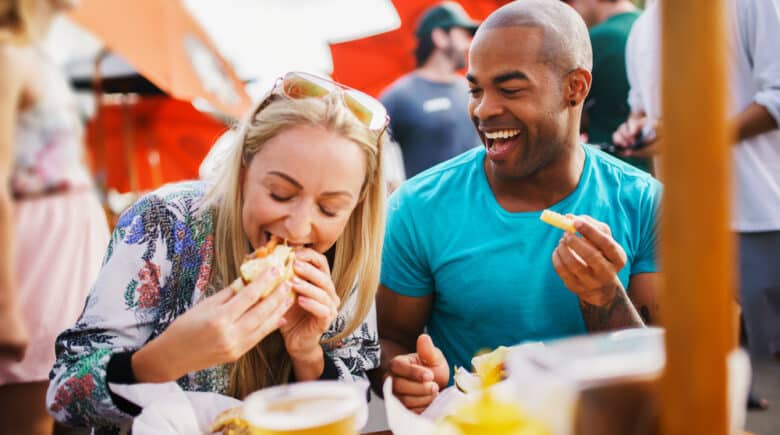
(405,268)
(645,259)
(760,27)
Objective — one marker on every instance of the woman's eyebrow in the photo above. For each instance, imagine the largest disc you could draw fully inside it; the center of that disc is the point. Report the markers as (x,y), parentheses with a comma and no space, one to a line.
(290,179)
(298,185)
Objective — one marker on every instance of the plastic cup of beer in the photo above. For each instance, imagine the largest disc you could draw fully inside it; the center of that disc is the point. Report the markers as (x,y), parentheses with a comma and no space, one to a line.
(308,408)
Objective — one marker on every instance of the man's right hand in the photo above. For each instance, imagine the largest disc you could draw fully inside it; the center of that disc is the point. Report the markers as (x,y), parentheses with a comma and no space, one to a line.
(418,377)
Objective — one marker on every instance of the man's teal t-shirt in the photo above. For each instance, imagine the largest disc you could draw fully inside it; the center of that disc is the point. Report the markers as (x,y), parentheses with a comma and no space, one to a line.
(490,271)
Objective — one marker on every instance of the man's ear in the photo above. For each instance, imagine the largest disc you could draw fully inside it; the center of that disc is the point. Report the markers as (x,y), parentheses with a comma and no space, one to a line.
(440,37)
(576,86)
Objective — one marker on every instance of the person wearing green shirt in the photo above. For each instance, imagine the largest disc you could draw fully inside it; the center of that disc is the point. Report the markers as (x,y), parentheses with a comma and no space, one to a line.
(609,23)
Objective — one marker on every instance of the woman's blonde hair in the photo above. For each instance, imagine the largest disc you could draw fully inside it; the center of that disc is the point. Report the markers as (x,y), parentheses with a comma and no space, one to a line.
(358,249)
(16,21)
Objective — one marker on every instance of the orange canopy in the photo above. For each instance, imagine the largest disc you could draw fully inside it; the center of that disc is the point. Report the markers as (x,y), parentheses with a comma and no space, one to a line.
(161,40)
(370,64)
(150,142)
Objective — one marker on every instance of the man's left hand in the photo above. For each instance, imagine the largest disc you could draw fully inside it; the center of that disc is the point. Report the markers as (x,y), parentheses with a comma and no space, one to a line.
(589,265)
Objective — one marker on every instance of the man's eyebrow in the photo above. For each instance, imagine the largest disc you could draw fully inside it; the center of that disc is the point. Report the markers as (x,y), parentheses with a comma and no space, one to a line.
(512,75)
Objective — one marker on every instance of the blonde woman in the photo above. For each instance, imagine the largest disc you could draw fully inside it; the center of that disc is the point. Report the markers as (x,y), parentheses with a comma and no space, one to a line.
(306,168)
(53,231)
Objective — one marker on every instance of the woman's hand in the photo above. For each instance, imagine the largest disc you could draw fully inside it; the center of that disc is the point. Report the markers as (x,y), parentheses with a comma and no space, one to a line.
(217,330)
(13,335)
(316,308)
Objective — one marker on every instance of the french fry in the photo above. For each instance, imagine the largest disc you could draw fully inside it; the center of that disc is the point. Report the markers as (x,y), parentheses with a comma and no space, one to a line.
(558,220)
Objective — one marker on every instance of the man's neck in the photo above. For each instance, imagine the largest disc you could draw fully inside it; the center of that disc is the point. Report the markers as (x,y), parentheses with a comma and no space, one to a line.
(541,190)
(438,68)
(609,10)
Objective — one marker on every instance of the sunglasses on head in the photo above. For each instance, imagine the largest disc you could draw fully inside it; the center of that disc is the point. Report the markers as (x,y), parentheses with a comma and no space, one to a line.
(367,109)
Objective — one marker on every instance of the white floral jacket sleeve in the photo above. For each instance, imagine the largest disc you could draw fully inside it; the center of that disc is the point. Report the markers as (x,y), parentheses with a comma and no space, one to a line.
(157,266)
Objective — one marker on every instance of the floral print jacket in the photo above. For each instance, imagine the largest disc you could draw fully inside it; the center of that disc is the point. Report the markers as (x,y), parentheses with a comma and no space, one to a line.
(157,266)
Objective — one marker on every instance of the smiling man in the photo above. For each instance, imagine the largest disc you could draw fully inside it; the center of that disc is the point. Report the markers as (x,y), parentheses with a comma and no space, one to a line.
(467,257)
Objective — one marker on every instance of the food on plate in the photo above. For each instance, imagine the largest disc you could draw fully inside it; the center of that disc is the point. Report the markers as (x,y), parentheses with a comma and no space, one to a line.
(489,369)
(232,422)
(273,254)
(558,220)
(487,413)
(491,415)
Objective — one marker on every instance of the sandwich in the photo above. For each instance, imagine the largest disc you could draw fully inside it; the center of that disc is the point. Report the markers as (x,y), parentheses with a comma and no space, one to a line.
(273,254)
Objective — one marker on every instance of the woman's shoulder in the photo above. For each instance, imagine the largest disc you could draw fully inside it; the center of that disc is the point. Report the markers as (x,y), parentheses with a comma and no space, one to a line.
(172,202)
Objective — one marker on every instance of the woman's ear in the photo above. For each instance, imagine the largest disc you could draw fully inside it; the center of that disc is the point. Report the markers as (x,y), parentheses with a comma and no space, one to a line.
(576,86)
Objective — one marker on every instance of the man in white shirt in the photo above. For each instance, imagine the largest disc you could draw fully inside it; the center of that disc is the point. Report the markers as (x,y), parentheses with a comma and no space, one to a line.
(755,98)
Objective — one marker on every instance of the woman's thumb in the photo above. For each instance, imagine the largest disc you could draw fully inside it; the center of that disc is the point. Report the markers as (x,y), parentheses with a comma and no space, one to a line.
(429,355)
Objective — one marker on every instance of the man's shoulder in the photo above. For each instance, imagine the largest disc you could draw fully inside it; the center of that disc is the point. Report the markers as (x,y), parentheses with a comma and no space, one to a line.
(614,173)
(400,87)
(440,182)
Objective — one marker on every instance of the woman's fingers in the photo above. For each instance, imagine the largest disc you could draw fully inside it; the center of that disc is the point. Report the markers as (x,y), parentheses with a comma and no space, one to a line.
(252,292)
(317,309)
(267,312)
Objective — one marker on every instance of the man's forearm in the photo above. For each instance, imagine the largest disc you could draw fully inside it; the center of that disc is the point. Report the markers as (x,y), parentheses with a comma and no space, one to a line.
(390,349)
(618,313)
(754,120)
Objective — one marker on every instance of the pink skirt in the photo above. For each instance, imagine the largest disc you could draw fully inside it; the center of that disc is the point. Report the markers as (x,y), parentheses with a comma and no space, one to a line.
(60,241)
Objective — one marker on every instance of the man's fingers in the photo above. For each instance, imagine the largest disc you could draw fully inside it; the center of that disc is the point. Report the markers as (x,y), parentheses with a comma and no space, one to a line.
(599,234)
(428,353)
(568,278)
(406,387)
(403,366)
(576,267)
(593,258)
(416,402)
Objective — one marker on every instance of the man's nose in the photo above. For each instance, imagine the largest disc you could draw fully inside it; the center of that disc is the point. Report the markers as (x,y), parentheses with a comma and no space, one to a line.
(487,107)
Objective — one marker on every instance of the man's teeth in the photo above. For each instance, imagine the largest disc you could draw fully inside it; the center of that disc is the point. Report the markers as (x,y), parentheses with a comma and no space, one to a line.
(501,134)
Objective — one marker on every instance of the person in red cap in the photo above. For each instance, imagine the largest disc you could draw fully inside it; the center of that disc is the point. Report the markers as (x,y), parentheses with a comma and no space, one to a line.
(427,107)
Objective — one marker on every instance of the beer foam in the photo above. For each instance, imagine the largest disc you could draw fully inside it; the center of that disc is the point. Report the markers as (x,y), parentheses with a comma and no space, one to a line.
(303,405)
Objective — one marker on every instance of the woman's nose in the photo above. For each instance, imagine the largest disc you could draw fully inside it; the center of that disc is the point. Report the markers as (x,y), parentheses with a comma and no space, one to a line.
(299,222)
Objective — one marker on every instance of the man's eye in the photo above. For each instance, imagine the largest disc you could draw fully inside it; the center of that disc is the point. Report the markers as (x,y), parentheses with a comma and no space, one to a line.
(474,91)
(280,198)
(512,91)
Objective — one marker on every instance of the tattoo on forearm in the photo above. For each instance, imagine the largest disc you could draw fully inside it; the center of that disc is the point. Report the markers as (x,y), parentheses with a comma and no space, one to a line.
(617,314)
(644,311)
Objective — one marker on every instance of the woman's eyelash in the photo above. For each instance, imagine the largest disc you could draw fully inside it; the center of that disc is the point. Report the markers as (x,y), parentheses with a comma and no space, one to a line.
(327,212)
(276,197)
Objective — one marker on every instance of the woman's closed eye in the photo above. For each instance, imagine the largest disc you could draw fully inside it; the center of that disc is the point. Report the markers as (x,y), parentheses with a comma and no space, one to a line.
(329,212)
(281,198)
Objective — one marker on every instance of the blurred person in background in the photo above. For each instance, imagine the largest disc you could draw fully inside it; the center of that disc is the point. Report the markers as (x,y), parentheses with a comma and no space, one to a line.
(305,168)
(755,110)
(53,227)
(609,24)
(427,106)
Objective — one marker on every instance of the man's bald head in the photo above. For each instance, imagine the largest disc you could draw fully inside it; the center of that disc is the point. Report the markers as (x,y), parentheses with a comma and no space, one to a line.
(566,40)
